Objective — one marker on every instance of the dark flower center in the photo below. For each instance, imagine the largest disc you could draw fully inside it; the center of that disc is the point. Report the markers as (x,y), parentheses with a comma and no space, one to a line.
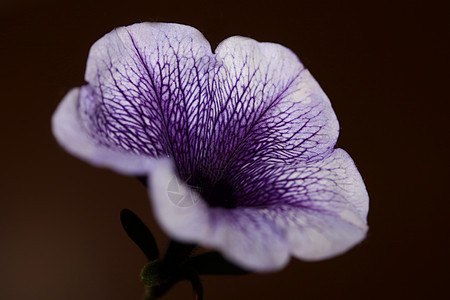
(217,192)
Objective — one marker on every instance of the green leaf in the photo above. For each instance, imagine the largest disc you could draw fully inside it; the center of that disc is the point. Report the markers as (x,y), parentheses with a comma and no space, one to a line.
(139,233)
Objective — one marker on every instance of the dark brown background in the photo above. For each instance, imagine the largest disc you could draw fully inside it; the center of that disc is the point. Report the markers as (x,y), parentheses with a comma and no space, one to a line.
(383,66)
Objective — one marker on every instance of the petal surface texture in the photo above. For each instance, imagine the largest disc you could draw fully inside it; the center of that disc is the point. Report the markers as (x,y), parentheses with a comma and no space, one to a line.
(69,130)
(312,211)
(238,144)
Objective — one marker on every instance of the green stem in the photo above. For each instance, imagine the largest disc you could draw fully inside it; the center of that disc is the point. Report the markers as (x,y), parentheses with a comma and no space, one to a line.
(148,293)
(159,276)
(177,253)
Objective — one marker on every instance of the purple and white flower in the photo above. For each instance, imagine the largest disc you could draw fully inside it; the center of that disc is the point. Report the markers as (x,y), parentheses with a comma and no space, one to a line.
(237,144)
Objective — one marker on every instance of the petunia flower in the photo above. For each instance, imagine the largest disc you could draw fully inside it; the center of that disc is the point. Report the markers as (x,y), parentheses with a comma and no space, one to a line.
(237,144)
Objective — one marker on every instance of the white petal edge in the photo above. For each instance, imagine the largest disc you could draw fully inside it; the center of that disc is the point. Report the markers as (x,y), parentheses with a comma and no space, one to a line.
(73,137)
(329,235)
(119,47)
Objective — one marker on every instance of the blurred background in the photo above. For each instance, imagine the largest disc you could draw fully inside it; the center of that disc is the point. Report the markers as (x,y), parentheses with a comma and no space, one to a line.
(383,64)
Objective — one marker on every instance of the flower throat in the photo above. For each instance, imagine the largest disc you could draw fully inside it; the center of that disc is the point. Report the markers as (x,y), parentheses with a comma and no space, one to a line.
(217,192)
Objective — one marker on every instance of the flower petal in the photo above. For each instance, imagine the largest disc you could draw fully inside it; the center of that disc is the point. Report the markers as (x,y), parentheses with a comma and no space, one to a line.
(148,83)
(69,131)
(322,205)
(244,235)
(275,109)
(321,213)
